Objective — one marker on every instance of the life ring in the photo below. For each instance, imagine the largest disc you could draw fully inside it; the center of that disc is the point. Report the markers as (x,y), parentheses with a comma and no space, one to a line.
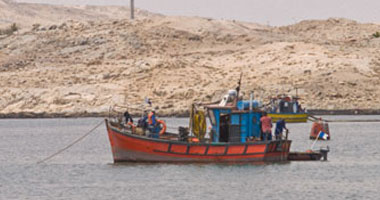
(163,129)
(133,126)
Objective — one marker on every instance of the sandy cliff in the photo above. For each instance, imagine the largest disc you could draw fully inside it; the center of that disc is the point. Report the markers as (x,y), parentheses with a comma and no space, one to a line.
(27,14)
(84,66)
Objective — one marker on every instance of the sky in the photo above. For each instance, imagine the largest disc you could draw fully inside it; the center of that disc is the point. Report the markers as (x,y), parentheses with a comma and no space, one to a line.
(268,12)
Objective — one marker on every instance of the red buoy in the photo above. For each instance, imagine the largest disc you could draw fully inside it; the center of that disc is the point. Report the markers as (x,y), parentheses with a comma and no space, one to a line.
(319,127)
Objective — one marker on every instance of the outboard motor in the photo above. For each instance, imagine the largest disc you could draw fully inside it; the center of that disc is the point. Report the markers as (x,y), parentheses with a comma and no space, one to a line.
(324,152)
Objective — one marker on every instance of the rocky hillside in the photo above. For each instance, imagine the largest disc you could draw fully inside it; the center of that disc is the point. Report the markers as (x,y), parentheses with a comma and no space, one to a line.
(80,66)
(25,15)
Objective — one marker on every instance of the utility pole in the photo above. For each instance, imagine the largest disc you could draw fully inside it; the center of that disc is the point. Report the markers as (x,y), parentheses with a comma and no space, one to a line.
(132,9)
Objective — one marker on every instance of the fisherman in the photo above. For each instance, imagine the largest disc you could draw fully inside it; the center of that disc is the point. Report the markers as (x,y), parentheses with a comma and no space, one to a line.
(281,105)
(128,117)
(273,106)
(152,124)
(266,127)
(142,121)
(297,106)
(280,126)
(152,118)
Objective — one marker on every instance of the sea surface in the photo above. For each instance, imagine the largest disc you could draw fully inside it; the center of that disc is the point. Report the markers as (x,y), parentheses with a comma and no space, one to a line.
(86,170)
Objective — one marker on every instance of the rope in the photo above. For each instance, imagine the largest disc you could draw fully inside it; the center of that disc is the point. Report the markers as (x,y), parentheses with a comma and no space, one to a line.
(71,144)
(315,141)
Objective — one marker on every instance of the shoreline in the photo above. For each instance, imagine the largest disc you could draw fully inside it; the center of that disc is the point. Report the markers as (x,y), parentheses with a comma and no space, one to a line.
(31,115)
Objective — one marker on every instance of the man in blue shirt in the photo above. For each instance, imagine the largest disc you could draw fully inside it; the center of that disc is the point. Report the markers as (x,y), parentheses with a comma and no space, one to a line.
(280,126)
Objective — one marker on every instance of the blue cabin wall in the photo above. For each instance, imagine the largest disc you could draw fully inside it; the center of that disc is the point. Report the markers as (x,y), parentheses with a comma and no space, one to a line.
(244,127)
(215,127)
(249,123)
(255,124)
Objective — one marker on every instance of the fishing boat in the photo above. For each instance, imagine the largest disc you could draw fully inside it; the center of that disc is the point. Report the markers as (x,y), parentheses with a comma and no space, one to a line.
(234,136)
(287,108)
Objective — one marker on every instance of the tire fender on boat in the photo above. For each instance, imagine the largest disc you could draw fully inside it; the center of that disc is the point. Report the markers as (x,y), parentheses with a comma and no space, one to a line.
(162,122)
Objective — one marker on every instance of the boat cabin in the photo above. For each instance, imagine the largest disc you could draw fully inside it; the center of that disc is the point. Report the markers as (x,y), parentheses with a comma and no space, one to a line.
(235,124)
(285,104)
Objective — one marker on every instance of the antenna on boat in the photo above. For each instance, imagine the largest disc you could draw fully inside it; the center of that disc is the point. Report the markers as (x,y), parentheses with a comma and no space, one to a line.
(238,88)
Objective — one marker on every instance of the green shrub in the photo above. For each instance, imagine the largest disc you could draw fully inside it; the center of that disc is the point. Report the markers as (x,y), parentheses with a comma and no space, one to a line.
(14,27)
(376,35)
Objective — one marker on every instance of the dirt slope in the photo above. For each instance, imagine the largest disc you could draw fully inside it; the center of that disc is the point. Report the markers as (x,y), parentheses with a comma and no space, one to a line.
(80,66)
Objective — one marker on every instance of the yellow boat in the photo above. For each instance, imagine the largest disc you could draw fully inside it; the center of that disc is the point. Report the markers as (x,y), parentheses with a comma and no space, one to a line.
(289,117)
(287,108)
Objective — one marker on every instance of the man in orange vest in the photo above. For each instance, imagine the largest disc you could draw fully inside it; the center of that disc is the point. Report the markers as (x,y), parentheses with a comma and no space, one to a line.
(152,118)
(152,124)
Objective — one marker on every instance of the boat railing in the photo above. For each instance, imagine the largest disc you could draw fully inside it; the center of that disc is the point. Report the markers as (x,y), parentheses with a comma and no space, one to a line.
(188,138)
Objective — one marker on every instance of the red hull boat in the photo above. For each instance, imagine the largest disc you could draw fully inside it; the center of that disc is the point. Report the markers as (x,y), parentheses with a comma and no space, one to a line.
(129,147)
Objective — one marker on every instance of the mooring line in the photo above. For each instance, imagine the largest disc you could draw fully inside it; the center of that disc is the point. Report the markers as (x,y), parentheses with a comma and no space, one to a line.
(71,144)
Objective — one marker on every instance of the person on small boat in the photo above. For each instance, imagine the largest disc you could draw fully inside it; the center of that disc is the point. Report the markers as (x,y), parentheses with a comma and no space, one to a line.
(273,106)
(281,104)
(142,122)
(152,118)
(296,106)
(280,126)
(266,127)
(128,117)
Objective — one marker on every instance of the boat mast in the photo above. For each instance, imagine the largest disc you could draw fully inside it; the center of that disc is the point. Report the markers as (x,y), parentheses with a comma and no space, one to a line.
(238,89)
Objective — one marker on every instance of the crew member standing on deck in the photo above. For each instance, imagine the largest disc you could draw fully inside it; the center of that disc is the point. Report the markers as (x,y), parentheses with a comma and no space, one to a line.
(280,126)
(266,127)
(128,117)
(152,124)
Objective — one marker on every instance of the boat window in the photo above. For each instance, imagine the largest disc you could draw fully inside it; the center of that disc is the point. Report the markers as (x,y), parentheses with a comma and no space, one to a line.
(212,117)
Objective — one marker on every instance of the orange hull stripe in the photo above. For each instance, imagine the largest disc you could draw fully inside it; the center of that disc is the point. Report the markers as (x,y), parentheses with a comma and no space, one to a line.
(236,149)
(197,150)
(256,149)
(178,148)
(216,150)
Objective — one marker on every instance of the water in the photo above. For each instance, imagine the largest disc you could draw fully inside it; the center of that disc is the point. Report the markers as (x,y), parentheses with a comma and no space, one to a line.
(86,171)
